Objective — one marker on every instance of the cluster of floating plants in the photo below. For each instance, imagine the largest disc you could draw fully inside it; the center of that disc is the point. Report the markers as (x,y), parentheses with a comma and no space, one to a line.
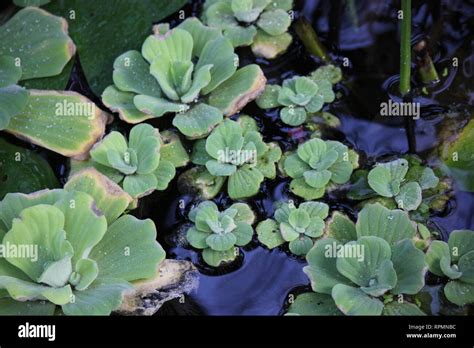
(173,103)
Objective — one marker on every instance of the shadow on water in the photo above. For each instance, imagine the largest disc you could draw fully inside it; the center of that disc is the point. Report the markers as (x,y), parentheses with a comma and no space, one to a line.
(260,280)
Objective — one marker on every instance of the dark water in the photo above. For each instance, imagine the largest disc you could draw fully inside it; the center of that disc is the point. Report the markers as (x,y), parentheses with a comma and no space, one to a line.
(258,283)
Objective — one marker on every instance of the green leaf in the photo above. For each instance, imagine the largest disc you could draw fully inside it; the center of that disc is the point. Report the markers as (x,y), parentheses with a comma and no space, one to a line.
(327,72)
(362,268)
(402,309)
(459,293)
(315,228)
(41,225)
(198,121)
(301,245)
(240,89)
(101,298)
(244,213)
(409,197)
(244,233)
(32,30)
(157,107)
(240,36)
(269,46)
(109,198)
(125,30)
(164,174)
(293,116)
(172,150)
(311,303)
(201,34)
(300,188)
(221,242)
(220,54)
(460,242)
(56,274)
(268,233)
(245,182)
(86,271)
(140,185)
(13,100)
(380,181)
(341,228)
(196,238)
(312,151)
(274,22)
(215,258)
(64,122)
(450,271)
(321,269)
(123,104)
(114,141)
(325,91)
(466,267)
(428,179)
(9,306)
(353,301)
(294,166)
(436,251)
(410,275)
(391,225)
(132,74)
(128,250)
(317,179)
(145,140)
(220,169)
(22,170)
(10,73)
(84,224)
(269,98)
(202,78)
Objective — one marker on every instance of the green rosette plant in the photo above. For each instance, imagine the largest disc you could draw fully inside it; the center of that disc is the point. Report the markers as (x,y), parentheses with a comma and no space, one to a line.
(362,268)
(234,152)
(300,96)
(219,234)
(138,164)
(299,226)
(454,260)
(390,180)
(81,253)
(261,24)
(316,164)
(189,71)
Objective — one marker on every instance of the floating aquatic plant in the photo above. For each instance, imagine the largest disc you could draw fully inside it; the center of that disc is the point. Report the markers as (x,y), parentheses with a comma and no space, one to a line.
(454,260)
(301,96)
(261,24)
(142,164)
(362,268)
(236,152)
(35,44)
(189,71)
(219,234)
(82,254)
(317,164)
(299,226)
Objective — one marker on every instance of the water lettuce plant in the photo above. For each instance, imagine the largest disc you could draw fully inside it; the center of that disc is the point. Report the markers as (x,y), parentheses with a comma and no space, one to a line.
(299,226)
(219,234)
(236,152)
(389,179)
(137,164)
(316,164)
(81,253)
(261,24)
(35,44)
(454,260)
(189,71)
(301,96)
(362,268)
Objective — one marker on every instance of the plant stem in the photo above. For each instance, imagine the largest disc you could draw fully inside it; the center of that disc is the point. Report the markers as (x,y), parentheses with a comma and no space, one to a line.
(405,48)
(310,39)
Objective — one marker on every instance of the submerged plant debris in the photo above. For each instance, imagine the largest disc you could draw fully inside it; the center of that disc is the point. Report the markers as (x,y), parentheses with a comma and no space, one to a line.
(247,157)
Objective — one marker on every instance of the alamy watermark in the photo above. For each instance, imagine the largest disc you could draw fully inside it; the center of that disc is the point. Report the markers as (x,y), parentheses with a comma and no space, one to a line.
(24,251)
(396,109)
(81,109)
(354,251)
(237,156)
